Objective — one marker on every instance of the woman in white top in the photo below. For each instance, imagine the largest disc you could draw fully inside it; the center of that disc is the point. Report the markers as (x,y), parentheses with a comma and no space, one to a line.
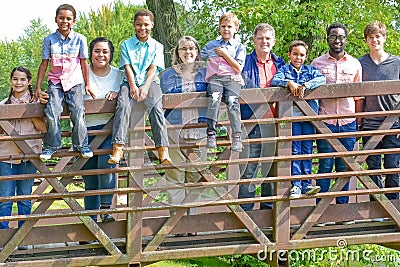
(104,82)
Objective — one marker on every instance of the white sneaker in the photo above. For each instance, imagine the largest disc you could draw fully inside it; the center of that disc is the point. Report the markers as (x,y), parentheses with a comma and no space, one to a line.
(211,141)
(295,192)
(86,152)
(47,153)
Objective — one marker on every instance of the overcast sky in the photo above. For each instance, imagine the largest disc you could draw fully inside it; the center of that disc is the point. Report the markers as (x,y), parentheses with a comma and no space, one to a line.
(17,14)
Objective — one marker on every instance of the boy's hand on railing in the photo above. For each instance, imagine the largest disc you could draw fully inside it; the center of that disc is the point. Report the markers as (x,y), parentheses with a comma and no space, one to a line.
(90,92)
(296,89)
(43,97)
(300,91)
(111,95)
(36,96)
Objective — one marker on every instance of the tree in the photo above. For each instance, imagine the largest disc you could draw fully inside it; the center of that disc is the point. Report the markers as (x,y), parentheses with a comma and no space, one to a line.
(31,42)
(166,29)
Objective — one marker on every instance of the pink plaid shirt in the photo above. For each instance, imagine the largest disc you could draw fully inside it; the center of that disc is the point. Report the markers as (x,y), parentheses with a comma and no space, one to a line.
(346,70)
(64,55)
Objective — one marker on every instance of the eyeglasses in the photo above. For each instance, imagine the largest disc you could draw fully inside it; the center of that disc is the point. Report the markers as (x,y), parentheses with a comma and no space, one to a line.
(340,38)
(190,49)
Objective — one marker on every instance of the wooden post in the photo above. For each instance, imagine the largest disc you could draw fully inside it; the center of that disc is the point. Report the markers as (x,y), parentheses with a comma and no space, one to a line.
(281,230)
(135,179)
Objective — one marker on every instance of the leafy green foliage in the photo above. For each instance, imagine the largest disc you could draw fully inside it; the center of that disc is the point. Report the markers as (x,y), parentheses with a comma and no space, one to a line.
(31,43)
(112,21)
(301,19)
(26,51)
(9,57)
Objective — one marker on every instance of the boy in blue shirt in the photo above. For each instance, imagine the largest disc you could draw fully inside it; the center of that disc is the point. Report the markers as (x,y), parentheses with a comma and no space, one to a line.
(66,51)
(142,58)
(299,77)
(226,58)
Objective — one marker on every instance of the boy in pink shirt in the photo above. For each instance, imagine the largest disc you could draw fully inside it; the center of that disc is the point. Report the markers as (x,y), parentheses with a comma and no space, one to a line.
(66,51)
(226,57)
(338,67)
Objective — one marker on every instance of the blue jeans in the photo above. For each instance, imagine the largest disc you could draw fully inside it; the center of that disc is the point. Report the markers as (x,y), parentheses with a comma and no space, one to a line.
(123,112)
(303,147)
(53,110)
(326,165)
(100,181)
(250,170)
(218,86)
(16,187)
(390,161)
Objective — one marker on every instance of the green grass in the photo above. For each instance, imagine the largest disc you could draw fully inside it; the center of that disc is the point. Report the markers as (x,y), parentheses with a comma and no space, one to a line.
(370,255)
(58,204)
(198,262)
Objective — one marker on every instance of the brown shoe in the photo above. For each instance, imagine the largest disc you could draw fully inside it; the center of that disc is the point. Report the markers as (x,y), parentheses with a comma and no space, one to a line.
(163,155)
(117,154)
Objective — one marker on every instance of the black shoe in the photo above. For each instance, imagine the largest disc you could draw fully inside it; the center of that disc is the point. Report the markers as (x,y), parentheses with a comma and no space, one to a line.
(106,218)
(23,247)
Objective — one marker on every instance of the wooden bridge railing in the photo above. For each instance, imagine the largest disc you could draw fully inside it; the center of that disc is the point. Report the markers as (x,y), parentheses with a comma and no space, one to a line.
(146,226)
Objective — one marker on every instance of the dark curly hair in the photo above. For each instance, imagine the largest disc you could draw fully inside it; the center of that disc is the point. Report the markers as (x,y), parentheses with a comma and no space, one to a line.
(335,26)
(98,40)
